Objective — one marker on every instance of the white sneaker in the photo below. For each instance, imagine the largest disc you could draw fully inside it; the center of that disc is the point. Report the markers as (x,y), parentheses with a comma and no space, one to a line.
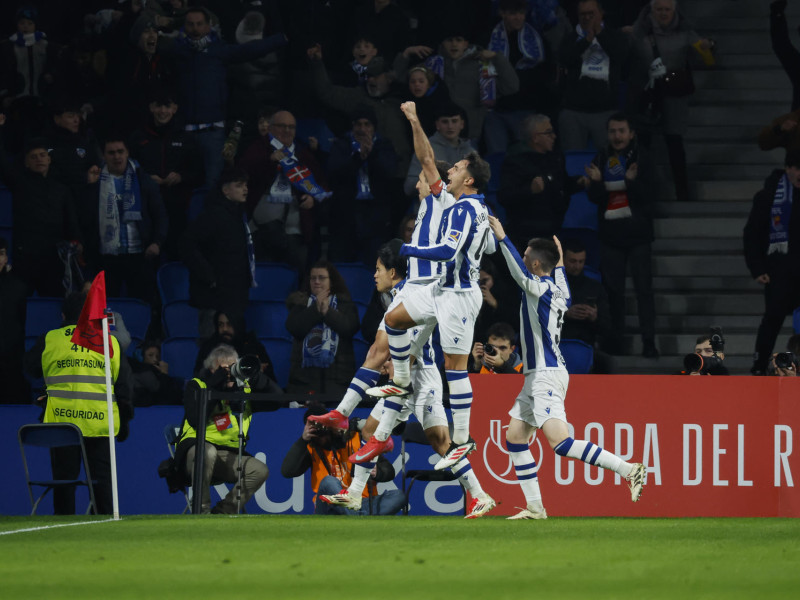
(390,390)
(454,454)
(531,512)
(636,480)
(480,506)
(343,498)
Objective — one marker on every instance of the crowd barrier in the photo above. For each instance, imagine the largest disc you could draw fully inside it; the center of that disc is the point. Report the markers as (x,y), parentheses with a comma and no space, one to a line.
(714,446)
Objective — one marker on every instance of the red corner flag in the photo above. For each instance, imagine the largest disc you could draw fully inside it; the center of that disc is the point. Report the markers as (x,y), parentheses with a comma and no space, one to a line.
(89,332)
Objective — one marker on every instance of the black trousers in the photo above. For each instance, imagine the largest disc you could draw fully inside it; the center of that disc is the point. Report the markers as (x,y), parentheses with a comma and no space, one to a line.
(781,297)
(66,464)
(614,262)
(134,272)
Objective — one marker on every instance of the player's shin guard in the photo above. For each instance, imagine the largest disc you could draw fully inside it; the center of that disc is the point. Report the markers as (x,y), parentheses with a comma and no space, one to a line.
(391,409)
(467,478)
(527,472)
(360,477)
(357,390)
(460,403)
(592,454)
(400,350)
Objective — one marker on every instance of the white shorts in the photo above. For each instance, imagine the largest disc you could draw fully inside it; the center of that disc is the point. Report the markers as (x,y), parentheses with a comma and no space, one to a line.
(542,397)
(426,403)
(455,313)
(420,333)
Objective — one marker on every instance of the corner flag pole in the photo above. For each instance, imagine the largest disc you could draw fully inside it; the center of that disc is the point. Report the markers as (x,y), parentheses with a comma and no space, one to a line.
(110,412)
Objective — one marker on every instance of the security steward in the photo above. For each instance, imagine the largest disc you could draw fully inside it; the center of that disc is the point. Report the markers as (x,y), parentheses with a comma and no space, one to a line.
(75,380)
(222,432)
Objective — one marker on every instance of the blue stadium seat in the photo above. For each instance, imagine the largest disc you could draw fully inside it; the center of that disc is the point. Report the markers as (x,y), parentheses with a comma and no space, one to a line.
(180,320)
(179,354)
(196,203)
(578,355)
(796,320)
(275,281)
(173,282)
(581,213)
(135,314)
(135,347)
(280,351)
(359,280)
(318,128)
(6,207)
(42,315)
(267,319)
(360,349)
(361,308)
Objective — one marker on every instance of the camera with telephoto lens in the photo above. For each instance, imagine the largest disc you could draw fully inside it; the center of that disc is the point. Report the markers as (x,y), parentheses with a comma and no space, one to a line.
(489,349)
(246,368)
(697,363)
(784,360)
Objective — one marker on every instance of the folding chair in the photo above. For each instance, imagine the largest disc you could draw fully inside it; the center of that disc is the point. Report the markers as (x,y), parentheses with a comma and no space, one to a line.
(173,282)
(42,314)
(180,319)
(275,281)
(359,280)
(179,354)
(54,435)
(267,318)
(280,351)
(415,434)
(136,314)
(171,436)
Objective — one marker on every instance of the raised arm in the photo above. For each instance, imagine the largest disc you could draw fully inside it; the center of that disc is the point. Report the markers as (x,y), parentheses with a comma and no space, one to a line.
(422,146)
(516,266)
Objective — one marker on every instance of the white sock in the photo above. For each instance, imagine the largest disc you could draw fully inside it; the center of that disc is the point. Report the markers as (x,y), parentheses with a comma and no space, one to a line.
(360,478)
(460,403)
(466,476)
(357,390)
(527,472)
(400,350)
(391,409)
(594,455)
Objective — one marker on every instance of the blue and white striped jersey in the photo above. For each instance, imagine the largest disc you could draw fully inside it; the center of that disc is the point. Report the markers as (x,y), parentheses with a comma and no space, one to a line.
(544,302)
(464,236)
(426,233)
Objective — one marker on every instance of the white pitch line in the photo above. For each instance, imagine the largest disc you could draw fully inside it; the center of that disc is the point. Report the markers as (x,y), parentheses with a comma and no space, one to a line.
(54,526)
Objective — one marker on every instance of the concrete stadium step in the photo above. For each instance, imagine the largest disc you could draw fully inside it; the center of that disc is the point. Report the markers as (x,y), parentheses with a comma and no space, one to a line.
(742,283)
(745,113)
(728,9)
(682,344)
(743,42)
(700,323)
(755,173)
(673,364)
(694,227)
(738,79)
(715,133)
(747,61)
(692,245)
(720,96)
(701,303)
(678,265)
(714,153)
(721,194)
(719,206)
(707,26)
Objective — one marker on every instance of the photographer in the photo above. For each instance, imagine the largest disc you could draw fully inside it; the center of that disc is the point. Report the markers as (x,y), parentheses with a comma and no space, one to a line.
(223,371)
(785,364)
(709,353)
(497,354)
(325,452)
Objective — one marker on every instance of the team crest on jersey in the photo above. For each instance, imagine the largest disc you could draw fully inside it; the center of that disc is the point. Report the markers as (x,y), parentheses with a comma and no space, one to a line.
(558,293)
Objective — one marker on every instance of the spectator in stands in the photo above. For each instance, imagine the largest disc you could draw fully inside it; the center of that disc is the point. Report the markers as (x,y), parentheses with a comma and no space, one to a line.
(782,46)
(500,303)
(620,186)
(43,217)
(589,317)
(201,59)
(427,90)
(662,43)
(359,166)
(152,384)
(387,23)
(772,253)
(72,151)
(534,186)
(218,250)
(12,332)
(497,355)
(447,143)
(787,368)
(355,72)
(325,452)
(527,50)
(712,362)
(475,77)
(286,184)
(593,57)
(168,154)
(782,132)
(125,221)
(322,320)
(406,228)
(230,329)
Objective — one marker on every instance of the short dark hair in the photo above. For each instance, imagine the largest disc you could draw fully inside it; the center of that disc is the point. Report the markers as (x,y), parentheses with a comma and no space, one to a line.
(72,307)
(702,338)
(450,109)
(479,170)
(442,167)
(573,245)
(233,174)
(792,159)
(389,255)
(35,143)
(503,331)
(545,251)
(201,10)
(621,117)
(513,5)
(110,139)
(3,243)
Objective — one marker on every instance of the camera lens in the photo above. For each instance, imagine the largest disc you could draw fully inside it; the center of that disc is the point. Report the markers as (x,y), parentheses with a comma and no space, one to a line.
(784,360)
(489,349)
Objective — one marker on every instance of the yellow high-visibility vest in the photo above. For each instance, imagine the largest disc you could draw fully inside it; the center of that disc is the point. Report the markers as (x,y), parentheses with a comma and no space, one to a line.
(228,436)
(75,378)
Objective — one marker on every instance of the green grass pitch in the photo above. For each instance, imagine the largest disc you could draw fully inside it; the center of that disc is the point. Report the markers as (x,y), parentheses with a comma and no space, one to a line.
(266,557)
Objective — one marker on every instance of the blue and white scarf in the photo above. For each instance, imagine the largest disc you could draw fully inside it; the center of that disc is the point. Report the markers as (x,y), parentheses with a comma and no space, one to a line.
(596,63)
(780,216)
(251,251)
(118,207)
(364,189)
(530,44)
(26,40)
(299,176)
(199,45)
(319,346)
(360,70)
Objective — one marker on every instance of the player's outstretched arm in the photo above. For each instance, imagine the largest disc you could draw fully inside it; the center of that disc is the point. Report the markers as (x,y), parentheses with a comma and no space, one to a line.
(422,146)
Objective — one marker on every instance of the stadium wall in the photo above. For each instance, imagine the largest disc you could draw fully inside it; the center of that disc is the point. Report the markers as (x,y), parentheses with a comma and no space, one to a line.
(714,446)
